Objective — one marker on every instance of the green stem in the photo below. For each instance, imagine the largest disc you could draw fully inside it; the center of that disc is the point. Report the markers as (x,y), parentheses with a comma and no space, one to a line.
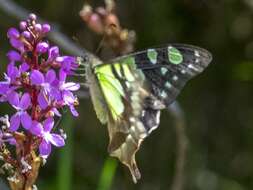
(65,157)
(107,174)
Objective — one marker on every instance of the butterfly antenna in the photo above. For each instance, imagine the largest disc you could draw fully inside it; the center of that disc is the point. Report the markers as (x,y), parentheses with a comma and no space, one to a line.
(58,121)
(100,44)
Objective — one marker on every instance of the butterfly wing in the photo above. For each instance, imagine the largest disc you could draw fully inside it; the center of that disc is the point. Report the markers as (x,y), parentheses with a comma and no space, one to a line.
(137,86)
(123,87)
(167,69)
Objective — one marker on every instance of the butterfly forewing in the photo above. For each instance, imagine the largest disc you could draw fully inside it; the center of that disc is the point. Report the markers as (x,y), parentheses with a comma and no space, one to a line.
(167,69)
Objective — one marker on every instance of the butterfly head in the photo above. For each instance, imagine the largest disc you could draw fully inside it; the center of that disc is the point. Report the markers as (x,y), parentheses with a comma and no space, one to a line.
(88,60)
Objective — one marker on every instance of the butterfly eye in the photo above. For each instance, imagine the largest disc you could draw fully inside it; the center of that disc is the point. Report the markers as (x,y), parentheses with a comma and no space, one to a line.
(82,61)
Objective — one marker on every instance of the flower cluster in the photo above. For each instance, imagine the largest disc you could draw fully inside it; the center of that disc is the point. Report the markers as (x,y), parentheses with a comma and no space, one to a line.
(36,86)
(104,21)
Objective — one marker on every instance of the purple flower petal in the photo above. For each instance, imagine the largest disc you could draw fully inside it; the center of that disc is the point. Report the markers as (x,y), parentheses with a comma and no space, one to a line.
(68,63)
(37,77)
(71,86)
(56,112)
(62,75)
(25,101)
(24,67)
(26,120)
(57,140)
(42,100)
(13,99)
(56,94)
(50,76)
(36,128)
(4,87)
(68,97)
(14,56)
(53,53)
(73,111)
(17,44)
(44,148)
(48,124)
(14,123)
(12,71)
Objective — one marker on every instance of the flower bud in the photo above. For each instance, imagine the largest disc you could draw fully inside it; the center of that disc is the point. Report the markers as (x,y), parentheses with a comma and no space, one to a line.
(32,16)
(46,28)
(38,27)
(22,25)
(13,33)
(42,47)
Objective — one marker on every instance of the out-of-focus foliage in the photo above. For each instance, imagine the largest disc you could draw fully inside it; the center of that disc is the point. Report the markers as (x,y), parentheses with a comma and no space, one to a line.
(217,104)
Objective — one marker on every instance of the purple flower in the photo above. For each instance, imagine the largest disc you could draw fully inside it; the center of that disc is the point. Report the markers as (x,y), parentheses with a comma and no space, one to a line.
(21,105)
(42,47)
(12,73)
(6,138)
(48,138)
(66,88)
(10,77)
(47,92)
(68,64)
(63,85)
(53,53)
(37,78)
(36,85)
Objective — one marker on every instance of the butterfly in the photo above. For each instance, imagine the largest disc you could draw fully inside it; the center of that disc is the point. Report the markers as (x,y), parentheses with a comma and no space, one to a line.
(129,92)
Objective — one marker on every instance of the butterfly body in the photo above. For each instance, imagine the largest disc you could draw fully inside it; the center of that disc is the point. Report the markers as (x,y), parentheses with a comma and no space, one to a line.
(129,92)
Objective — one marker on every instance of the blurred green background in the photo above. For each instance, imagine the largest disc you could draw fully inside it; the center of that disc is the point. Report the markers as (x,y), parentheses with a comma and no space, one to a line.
(218,104)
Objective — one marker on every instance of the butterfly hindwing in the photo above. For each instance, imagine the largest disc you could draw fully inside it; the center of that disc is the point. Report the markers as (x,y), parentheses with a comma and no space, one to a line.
(119,83)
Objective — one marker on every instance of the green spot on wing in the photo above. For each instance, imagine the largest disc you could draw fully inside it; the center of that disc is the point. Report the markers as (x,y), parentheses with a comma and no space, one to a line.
(152,55)
(168,85)
(129,61)
(163,94)
(164,70)
(175,57)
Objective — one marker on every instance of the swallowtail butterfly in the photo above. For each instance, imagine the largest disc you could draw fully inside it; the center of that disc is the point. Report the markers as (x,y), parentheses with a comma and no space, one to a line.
(129,92)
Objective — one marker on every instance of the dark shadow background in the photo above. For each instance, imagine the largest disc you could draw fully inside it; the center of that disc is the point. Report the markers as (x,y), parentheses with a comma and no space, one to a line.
(218,104)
